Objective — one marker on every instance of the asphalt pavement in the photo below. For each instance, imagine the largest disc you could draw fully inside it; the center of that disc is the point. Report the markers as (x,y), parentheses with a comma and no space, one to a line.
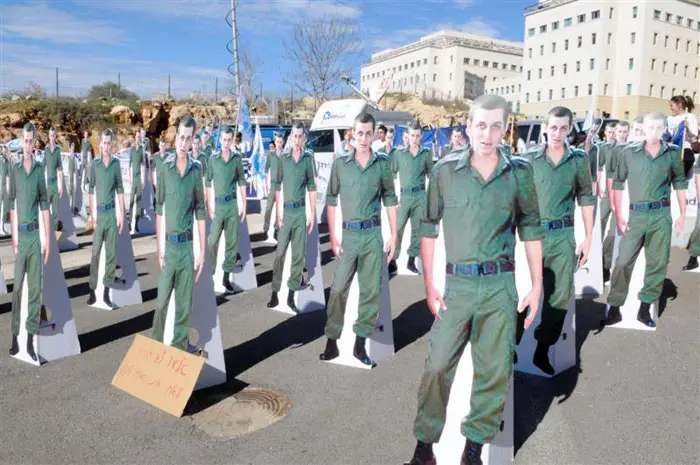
(633,397)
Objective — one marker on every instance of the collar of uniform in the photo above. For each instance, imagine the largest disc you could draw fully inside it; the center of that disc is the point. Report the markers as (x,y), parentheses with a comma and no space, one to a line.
(466,155)
(304,153)
(641,148)
(542,152)
(172,159)
(112,159)
(351,157)
(35,163)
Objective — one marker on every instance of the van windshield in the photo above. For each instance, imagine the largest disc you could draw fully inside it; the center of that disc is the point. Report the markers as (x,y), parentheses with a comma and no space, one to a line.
(321,141)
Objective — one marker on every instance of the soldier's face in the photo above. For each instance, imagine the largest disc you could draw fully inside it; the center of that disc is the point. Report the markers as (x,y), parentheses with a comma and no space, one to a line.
(638,129)
(195,147)
(609,133)
(52,136)
(456,139)
(621,133)
(183,141)
(414,137)
(298,138)
(486,130)
(653,129)
(557,130)
(364,133)
(279,142)
(382,134)
(205,138)
(226,140)
(106,145)
(28,143)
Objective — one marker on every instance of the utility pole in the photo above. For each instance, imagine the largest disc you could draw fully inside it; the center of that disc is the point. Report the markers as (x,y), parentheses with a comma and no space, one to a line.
(168,86)
(234,42)
(119,84)
(56,83)
(216,90)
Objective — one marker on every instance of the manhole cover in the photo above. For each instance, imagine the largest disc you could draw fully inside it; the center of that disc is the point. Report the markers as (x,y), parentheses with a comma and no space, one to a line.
(249,410)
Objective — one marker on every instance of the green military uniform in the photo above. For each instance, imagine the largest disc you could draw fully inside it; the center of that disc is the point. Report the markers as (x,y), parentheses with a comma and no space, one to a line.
(294,177)
(479,220)
(179,198)
(136,162)
(558,188)
(649,187)
(362,190)
(85,150)
(606,161)
(270,168)
(593,156)
(52,162)
(5,165)
(27,196)
(694,242)
(412,171)
(72,173)
(225,175)
(105,182)
(157,164)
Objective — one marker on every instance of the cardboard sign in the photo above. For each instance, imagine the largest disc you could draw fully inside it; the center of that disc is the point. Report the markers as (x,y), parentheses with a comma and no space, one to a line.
(160,375)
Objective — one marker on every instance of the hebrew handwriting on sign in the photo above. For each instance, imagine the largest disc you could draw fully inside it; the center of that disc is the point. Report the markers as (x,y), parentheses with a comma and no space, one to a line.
(160,375)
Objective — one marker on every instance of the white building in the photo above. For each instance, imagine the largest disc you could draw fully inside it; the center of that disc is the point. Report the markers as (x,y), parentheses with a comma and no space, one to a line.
(510,89)
(444,65)
(633,55)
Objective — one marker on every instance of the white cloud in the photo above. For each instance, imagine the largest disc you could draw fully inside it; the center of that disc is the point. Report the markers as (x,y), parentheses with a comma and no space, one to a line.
(476,26)
(39,20)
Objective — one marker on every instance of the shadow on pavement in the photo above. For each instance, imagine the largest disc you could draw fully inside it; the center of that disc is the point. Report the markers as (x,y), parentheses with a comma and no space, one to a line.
(102,336)
(412,324)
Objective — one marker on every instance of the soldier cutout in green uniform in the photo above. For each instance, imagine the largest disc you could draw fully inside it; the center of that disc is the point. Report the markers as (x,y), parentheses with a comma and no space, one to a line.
(27,195)
(224,175)
(294,173)
(72,175)
(481,196)
(137,171)
(651,167)
(180,198)
(105,182)
(562,178)
(273,158)
(363,181)
(412,165)
(694,242)
(54,174)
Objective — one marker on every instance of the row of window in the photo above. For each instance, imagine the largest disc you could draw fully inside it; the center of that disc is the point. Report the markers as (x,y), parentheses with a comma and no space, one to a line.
(633,40)
(492,64)
(628,91)
(467,61)
(680,20)
(506,90)
(630,65)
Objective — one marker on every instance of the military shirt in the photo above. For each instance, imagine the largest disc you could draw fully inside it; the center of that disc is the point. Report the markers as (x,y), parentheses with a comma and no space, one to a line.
(412,170)
(604,154)
(27,191)
(180,197)
(52,161)
(294,176)
(271,166)
(593,157)
(558,186)
(613,156)
(696,170)
(137,162)
(85,148)
(105,181)
(225,175)
(202,161)
(158,161)
(361,189)
(4,165)
(650,178)
(480,217)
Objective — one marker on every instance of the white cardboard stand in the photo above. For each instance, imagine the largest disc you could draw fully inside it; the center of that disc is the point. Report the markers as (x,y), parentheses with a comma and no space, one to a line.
(78,221)
(57,336)
(402,262)
(204,320)
(631,307)
(312,297)
(147,224)
(4,225)
(448,451)
(380,344)
(243,278)
(681,238)
(588,280)
(273,219)
(68,240)
(126,289)
(3,284)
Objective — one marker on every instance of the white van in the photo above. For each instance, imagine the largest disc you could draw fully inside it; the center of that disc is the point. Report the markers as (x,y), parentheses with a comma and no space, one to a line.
(340,115)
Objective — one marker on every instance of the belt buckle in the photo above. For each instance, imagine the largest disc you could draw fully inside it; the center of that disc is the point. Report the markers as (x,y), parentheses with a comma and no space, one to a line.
(487,268)
(655,205)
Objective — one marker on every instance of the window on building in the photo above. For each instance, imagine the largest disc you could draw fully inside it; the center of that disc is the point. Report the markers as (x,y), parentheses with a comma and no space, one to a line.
(411,79)
(520,87)
(411,65)
(634,11)
(687,47)
(666,41)
(651,90)
(673,92)
(696,73)
(512,89)
(656,36)
(551,71)
(466,61)
(669,16)
(590,89)
(521,68)
(554,47)
(517,107)
(690,22)
(425,61)
(607,64)
(550,94)
(539,73)
(663,67)
(543,28)
(609,38)
(593,37)
(627,116)
(567,22)
(657,14)
(631,63)
(563,68)
(566,44)
(494,64)
(528,75)
(575,91)
(476,62)
(633,37)
(538,95)
(513,68)
(504,66)
(653,64)
(531,32)
(423,77)
(434,77)
(685,71)
(594,15)
(541,50)
(697,49)
(581,18)
(563,92)
(663,89)
(578,66)
(591,63)
(527,97)
(555,25)
(451,59)
(580,41)
(679,20)
(675,68)
(450,76)
(605,89)
(610,14)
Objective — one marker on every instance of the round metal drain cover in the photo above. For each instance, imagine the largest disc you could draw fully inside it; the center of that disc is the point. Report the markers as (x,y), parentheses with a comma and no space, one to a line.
(249,410)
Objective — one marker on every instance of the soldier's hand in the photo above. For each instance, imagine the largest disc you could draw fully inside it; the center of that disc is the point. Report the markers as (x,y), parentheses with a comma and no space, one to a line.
(14,248)
(211,214)
(45,252)
(242,214)
(584,249)
(390,248)
(279,222)
(622,225)
(161,258)
(310,223)
(679,225)
(434,300)
(120,224)
(198,265)
(336,247)
(531,301)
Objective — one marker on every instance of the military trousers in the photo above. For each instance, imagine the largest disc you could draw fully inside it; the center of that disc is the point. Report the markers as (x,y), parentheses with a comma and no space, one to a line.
(480,310)
(226,222)
(135,200)
(54,203)
(651,230)
(178,275)
(606,214)
(412,207)
(268,212)
(362,252)
(694,242)
(293,230)
(105,235)
(28,264)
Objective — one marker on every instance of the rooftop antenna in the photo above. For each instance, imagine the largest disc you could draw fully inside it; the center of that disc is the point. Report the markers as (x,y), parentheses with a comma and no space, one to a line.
(353,85)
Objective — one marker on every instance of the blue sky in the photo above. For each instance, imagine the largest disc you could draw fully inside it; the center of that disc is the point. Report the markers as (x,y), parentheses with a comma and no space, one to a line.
(90,41)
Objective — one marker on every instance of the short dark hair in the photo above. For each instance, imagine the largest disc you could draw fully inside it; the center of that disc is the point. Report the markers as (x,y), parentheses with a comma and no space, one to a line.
(381,127)
(415,126)
(272,142)
(560,112)
(639,119)
(228,130)
(458,130)
(364,118)
(196,137)
(490,102)
(107,133)
(188,122)
(29,127)
(52,129)
(624,124)
(299,125)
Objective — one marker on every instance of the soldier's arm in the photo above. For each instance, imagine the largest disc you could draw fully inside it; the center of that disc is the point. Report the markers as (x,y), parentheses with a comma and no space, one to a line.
(43,200)
(429,163)
(119,189)
(429,228)
(528,223)
(200,214)
(389,198)
(678,180)
(59,173)
(332,192)
(311,188)
(91,193)
(12,197)
(618,183)
(584,193)
(160,201)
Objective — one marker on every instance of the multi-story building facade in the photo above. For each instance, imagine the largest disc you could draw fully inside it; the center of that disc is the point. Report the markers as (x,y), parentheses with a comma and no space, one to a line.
(632,55)
(510,89)
(446,65)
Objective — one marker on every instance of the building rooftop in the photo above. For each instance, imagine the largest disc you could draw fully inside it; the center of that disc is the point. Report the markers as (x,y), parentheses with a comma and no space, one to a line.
(547,4)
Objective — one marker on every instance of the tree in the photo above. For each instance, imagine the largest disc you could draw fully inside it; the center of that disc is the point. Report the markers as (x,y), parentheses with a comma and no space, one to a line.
(31,89)
(110,89)
(321,51)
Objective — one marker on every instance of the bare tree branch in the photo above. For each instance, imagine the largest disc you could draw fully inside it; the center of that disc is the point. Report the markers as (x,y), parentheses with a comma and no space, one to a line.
(321,51)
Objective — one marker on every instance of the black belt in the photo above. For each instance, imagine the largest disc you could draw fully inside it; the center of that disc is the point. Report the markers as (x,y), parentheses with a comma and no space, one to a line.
(567,222)
(360,225)
(299,204)
(105,207)
(410,190)
(641,206)
(479,269)
(52,179)
(28,227)
(225,198)
(182,237)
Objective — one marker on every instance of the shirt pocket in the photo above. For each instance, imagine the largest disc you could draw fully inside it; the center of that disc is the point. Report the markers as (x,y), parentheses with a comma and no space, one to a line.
(455,200)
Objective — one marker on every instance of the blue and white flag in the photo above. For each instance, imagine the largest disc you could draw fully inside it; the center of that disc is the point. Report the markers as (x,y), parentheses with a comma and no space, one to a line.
(243,122)
(677,138)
